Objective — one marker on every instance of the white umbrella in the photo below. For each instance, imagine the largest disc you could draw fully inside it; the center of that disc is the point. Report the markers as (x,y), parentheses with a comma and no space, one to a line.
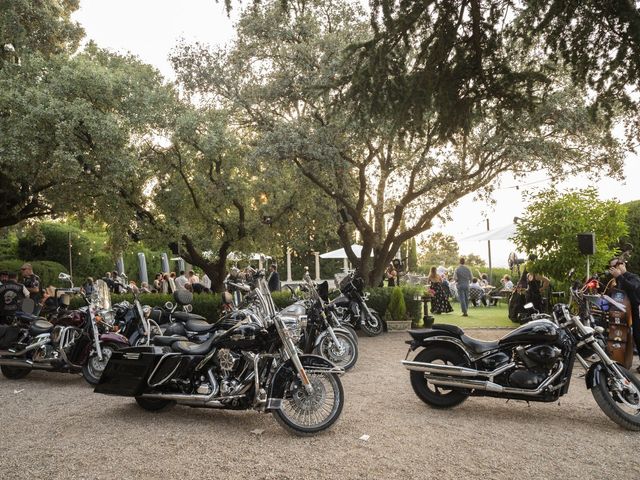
(341,253)
(501,233)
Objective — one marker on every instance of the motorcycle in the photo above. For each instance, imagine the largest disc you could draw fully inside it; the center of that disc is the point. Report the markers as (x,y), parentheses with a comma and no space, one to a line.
(534,362)
(254,364)
(80,341)
(352,305)
(320,333)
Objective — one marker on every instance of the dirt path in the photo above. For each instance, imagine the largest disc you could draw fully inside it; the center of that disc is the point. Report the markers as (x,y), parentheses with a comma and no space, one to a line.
(56,428)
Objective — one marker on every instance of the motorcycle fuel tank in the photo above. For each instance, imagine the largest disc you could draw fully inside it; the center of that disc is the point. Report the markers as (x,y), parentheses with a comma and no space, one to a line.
(537,331)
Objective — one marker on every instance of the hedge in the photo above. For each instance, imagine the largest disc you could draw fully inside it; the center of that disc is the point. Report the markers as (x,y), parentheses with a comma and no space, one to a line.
(208,305)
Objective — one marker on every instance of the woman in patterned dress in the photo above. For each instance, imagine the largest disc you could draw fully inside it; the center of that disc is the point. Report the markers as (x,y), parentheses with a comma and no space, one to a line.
(440,302)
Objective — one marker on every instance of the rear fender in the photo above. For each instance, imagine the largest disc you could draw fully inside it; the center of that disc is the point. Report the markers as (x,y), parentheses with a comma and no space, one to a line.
(443,341)
(287,371)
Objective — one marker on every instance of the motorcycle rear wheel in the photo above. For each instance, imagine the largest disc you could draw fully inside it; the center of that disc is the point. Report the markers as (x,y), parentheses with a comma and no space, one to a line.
(14,373)
(623,408)
(437,396)
(304,414)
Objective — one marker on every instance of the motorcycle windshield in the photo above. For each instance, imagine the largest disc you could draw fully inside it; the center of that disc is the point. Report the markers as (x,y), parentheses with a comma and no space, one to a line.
(102,295)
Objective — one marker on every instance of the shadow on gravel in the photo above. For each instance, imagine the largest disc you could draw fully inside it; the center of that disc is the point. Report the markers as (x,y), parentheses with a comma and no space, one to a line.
(48,379)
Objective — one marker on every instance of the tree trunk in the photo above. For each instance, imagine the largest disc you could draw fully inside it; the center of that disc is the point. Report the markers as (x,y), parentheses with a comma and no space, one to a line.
(216,270)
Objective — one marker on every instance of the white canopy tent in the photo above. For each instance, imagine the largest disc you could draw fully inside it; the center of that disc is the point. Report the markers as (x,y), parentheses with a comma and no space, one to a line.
(341,253)
(505,232)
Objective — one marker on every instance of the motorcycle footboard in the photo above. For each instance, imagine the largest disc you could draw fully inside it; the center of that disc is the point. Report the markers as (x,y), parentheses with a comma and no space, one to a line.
(128,370)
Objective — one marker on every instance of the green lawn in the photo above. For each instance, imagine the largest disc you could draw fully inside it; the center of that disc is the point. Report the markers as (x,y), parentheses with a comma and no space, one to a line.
(479,317)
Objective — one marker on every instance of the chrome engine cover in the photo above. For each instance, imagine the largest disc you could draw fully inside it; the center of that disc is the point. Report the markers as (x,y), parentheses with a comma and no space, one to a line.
(227,360)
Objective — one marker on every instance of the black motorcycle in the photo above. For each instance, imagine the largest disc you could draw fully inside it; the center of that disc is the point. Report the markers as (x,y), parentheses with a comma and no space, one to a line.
(254,364)
(533,363)
(352,306)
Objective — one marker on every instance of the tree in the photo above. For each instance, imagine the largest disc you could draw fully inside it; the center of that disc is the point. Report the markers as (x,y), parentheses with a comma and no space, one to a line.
(282,76)
(70,129)
(633,237)
(453,57)
(438,249)
(551,222)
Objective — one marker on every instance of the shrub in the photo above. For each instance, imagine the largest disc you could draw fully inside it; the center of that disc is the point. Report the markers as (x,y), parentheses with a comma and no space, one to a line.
(397,308)
(379,300)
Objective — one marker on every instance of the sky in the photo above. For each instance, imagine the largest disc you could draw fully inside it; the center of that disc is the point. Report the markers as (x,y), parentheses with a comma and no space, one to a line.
(151,28)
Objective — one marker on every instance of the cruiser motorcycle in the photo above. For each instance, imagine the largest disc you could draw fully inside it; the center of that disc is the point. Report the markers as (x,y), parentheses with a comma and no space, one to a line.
(533,363)
(254,364)
(352,306)
(80,341)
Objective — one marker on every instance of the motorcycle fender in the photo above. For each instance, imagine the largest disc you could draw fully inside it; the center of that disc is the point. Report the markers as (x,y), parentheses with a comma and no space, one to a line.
(442,340)
(593,375)
(114,338)
(285,372)
(320,337)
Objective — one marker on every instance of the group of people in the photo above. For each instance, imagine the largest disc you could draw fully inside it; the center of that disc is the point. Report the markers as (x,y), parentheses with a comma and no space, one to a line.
(469,290)
(15,288)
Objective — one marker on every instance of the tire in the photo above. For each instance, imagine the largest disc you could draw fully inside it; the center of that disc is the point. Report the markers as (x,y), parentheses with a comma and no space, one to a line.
(351,331)
(372,326)
(623,410)
(14,373)
(297,413)
(92,370)
(436,396)
(329,350)
(154,404)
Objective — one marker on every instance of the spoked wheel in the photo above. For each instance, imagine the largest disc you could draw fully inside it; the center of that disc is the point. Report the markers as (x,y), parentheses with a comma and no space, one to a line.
(372,324)
(92,370)
(435,395)
(306,413)
(351,331)
(619,398)
(344,354)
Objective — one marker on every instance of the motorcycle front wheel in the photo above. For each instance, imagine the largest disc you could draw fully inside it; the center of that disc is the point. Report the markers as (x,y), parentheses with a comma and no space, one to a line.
(92,370)
(620,404)
(372,324)
(344,355)
(306,414)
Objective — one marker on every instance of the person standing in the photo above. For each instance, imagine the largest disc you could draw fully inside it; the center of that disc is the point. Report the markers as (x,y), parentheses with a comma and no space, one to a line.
(88,286)
(193,278)
(11,295)
(391,275)
(32,283)
(440,302)
(463,277)
(630,283)
(274,278)
(181,281)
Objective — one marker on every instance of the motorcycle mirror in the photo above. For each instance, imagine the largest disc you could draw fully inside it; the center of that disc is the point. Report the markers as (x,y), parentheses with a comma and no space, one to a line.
(188,308)
(528,306)
(168,306)
(571,273)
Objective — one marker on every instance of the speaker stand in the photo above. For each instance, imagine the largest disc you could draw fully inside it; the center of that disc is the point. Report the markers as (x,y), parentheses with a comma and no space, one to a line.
(588,265)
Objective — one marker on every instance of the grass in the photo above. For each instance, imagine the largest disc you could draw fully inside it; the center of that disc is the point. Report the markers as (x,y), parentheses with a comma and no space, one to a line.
(479,317)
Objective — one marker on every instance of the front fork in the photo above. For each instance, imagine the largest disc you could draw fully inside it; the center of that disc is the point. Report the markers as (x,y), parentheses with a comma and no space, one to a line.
(96,336)
(292,351)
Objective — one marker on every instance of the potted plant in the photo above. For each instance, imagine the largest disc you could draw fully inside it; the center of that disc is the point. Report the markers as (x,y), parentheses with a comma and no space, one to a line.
(396,314)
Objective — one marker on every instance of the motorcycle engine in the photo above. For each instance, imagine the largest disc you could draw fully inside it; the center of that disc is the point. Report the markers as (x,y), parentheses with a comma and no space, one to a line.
(537,360)
(227,360)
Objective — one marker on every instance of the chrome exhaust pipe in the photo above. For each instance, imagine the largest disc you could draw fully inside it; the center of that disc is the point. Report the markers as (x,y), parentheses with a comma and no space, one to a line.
(453,371)
(491,386)
(33,346)
(12,362)
(192,400)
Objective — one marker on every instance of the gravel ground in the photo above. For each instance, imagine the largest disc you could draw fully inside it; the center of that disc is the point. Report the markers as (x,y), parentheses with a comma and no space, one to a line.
(55,427)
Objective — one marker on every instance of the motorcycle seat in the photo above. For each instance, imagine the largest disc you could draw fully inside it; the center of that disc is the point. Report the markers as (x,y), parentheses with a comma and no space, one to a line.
(187,317)
(423,333)
(39,327)
(190,348)
(167,340)
(198,326)
(479,346)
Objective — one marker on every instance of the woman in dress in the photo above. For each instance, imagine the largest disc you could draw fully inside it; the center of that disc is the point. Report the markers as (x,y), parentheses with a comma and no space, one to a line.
(391,275)
(440,302)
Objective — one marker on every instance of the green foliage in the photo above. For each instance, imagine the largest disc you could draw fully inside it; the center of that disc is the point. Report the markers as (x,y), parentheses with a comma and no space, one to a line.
(552,221)
(438,249)
(380,297)
(633,222)
(47,271)
(397,308)
(8,246)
